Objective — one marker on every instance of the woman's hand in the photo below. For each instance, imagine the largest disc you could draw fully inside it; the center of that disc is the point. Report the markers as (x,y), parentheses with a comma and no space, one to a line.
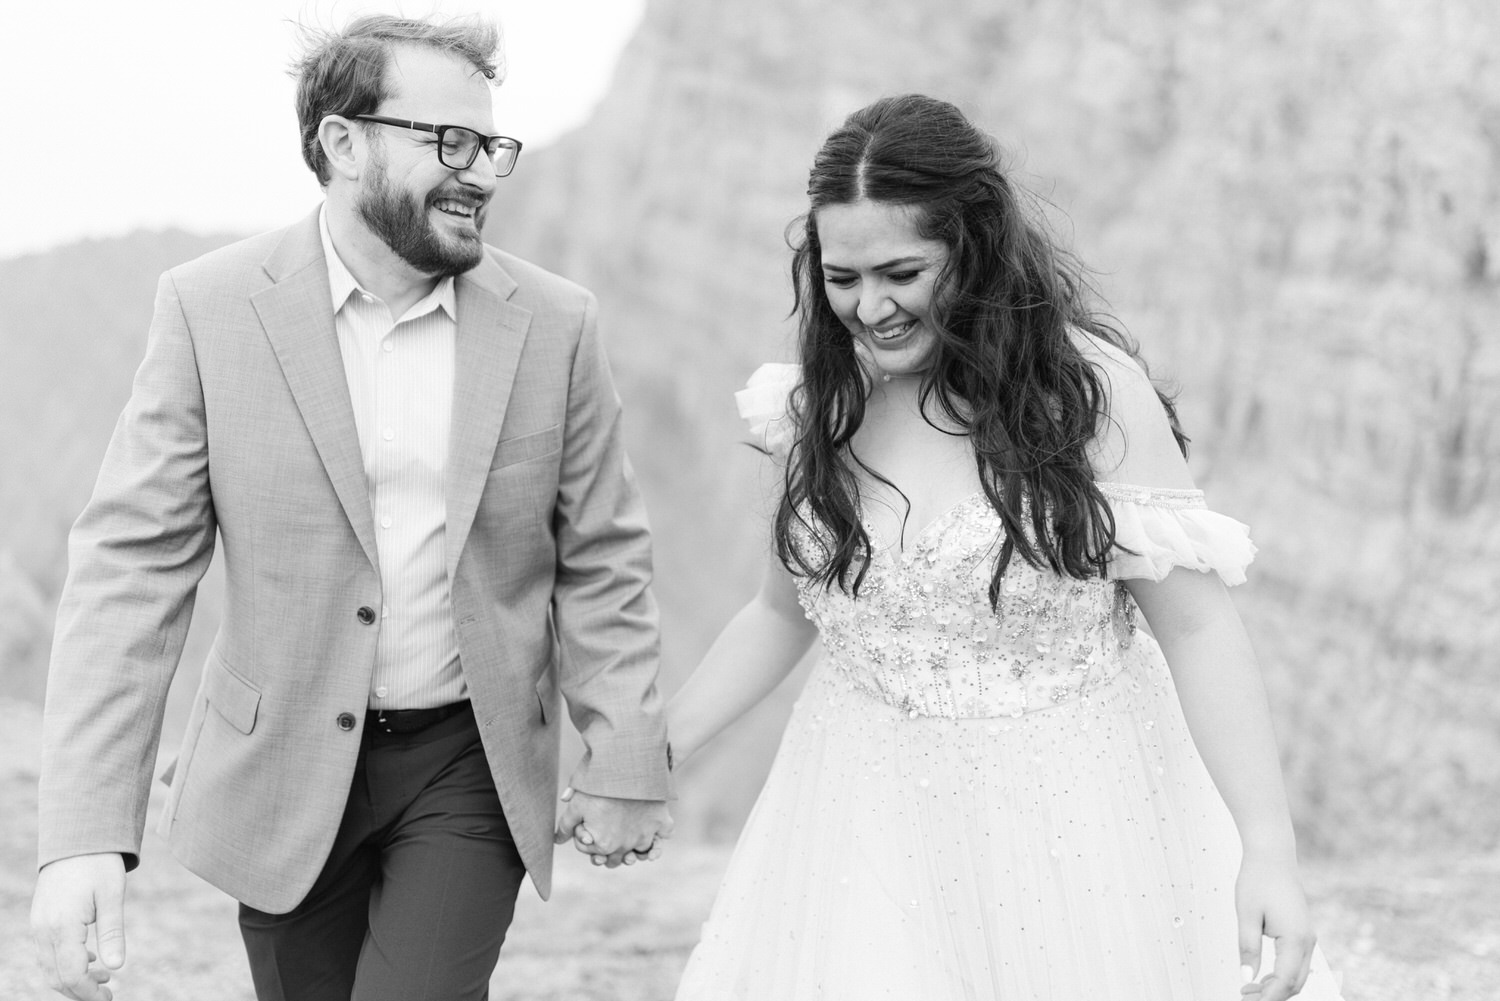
(1269,901)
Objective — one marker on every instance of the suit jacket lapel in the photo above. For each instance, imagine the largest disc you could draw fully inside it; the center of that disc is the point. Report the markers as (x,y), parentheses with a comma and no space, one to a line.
(491,333)
(298,321)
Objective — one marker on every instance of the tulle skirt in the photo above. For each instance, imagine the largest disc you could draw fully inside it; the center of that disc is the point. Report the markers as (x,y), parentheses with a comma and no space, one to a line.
(1076,853)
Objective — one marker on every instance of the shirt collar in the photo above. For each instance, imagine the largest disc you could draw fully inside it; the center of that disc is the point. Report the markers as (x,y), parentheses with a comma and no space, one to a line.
(341,283)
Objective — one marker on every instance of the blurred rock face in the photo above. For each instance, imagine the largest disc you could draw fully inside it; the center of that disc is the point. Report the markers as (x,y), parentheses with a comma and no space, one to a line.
(1295,208)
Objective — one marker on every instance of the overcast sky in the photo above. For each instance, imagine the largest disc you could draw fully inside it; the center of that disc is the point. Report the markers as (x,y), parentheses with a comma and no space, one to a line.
(131,113)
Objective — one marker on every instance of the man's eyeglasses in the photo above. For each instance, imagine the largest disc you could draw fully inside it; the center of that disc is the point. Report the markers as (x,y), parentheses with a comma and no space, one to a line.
(457,147)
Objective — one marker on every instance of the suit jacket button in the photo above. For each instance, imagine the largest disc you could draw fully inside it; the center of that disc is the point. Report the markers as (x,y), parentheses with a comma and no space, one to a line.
(366,614)
(346,721)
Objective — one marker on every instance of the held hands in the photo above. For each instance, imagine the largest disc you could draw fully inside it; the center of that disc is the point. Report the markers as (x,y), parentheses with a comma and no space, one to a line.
(71,894)
(613,831)
(1269,901)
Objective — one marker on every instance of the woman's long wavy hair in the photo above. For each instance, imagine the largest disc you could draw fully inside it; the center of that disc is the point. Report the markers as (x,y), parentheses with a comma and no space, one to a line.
(1004,368)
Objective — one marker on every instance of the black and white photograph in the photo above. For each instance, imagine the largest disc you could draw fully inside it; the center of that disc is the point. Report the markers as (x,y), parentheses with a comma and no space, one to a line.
(804,500)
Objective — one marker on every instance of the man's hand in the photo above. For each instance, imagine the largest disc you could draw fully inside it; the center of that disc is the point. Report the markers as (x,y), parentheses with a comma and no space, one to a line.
(71,894)
(613,831)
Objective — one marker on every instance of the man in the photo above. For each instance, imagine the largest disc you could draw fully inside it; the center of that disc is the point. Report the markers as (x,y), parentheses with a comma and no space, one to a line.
(411,449)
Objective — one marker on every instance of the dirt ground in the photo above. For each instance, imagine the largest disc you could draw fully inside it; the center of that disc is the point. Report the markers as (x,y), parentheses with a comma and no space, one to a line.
(1408,928)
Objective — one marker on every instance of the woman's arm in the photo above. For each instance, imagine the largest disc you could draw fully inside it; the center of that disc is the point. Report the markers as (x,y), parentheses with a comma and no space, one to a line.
(757,649)
(1224,702)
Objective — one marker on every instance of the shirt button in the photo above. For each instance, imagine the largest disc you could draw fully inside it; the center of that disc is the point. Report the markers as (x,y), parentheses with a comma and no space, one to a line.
(346,721)
(382,692)
(366,614)
(388,434)
(385,522)
(367,297)
(387,347)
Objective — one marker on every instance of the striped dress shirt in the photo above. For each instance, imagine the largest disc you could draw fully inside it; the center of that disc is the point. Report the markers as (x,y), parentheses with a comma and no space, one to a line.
(400,377)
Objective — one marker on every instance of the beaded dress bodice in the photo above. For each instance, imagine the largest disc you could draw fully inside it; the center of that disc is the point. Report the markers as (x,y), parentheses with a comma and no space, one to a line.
(922,637)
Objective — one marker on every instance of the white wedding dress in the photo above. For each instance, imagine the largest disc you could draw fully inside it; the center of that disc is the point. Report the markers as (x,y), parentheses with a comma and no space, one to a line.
(989,804)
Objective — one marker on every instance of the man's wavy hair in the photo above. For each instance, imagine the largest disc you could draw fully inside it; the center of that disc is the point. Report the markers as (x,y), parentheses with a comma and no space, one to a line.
(1004,367)
(344,72)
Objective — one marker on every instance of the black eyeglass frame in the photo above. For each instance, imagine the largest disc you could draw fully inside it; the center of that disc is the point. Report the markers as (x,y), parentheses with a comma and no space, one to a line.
(441,130)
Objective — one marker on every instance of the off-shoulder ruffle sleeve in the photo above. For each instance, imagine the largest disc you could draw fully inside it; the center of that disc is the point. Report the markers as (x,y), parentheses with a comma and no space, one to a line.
(765,404)
(1173,528)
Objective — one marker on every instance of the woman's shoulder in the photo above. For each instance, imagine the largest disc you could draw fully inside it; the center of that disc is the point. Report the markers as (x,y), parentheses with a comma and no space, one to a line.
(1134,440)
(1125,377)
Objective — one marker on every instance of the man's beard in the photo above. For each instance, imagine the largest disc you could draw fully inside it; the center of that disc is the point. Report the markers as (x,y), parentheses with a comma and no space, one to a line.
(402,222)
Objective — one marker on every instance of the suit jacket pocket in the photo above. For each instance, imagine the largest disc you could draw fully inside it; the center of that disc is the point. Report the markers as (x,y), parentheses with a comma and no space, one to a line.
(523,448)
(236,699)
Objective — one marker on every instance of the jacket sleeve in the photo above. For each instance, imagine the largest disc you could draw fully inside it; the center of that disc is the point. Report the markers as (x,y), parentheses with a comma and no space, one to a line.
(135,557)
(605,615)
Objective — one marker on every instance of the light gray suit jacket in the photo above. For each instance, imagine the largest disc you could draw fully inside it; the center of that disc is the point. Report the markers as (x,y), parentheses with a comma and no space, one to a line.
(240,421)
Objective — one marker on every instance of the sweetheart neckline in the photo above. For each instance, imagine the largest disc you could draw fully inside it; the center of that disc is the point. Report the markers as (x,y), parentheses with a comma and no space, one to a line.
(906,552)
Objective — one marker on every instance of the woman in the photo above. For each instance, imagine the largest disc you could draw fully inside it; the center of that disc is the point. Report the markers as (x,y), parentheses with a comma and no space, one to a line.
(988,788)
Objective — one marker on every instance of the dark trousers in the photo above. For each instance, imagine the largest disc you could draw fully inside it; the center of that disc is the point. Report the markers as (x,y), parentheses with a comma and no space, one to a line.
(418,891)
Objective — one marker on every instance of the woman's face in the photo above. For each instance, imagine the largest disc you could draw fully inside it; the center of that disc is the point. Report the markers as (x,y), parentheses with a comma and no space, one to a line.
(880,276)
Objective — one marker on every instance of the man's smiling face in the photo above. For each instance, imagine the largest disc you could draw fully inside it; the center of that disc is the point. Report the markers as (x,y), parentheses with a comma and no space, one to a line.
(430,215)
